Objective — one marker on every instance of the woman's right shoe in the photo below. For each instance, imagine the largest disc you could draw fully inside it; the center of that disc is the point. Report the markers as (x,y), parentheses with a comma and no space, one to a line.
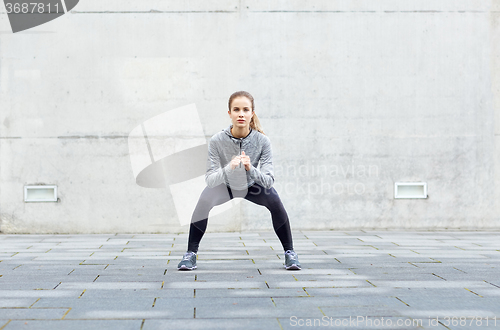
(188,261)
(292,260)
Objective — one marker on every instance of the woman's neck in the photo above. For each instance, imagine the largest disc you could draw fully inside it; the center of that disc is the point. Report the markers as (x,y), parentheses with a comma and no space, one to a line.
(240,133)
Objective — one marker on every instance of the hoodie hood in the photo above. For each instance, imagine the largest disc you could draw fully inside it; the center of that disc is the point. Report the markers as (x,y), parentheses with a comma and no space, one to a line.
(227,130)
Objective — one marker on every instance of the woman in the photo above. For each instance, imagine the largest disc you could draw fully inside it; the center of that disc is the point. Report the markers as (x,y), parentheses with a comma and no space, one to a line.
(233,156)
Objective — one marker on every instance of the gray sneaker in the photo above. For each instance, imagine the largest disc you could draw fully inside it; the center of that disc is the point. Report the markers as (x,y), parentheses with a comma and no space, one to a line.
(188,261)
(291,260)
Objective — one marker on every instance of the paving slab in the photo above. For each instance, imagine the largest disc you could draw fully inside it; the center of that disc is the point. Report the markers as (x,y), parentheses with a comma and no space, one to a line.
(74,324)
(130,281)
(214,324)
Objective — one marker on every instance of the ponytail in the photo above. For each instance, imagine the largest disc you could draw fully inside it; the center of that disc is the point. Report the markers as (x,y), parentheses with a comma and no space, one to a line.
(254,122)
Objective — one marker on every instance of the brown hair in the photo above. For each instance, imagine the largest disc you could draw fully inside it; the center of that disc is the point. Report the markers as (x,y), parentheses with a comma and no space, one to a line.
(254,123)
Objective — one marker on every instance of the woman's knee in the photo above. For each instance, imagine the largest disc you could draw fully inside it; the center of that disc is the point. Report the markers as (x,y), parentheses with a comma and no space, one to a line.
(274,203)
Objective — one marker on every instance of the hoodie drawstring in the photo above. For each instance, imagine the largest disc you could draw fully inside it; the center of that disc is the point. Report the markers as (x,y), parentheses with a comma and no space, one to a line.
(240,153)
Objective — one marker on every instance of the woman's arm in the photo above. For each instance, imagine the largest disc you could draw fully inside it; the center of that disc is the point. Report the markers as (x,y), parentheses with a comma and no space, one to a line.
(264,176)
(215,174)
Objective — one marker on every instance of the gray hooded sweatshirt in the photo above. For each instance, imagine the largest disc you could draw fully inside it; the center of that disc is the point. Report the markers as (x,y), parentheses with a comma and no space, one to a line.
(223,146)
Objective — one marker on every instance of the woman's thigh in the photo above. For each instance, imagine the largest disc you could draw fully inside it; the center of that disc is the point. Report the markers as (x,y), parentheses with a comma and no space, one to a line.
(209,198)
(214,196)
(263,196)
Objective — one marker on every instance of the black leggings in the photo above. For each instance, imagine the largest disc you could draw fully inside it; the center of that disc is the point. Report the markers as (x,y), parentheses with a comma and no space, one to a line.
(257,194)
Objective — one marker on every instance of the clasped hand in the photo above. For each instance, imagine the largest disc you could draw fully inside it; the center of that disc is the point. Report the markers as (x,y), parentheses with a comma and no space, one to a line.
(244,159)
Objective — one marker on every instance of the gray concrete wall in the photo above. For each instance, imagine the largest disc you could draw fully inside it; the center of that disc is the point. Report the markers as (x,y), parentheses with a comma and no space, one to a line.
(354,95)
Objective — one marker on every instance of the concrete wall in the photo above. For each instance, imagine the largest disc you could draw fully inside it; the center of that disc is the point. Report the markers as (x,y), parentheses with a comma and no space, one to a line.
(354,95)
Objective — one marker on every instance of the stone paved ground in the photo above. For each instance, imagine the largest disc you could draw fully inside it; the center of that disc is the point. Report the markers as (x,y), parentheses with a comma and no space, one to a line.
(349,280)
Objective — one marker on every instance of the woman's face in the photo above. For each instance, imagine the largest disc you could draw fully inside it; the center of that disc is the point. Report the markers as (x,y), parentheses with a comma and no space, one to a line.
(241,112)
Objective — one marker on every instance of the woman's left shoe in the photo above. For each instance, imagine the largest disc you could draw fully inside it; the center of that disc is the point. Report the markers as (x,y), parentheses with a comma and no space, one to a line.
(291,260)
(188,261)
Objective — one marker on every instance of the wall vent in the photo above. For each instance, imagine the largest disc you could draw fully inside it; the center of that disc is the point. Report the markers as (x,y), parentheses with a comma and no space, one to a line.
(40,193)
(410,190)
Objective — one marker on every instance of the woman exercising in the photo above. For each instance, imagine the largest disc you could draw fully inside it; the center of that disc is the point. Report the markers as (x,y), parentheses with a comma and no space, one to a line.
(242,143)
